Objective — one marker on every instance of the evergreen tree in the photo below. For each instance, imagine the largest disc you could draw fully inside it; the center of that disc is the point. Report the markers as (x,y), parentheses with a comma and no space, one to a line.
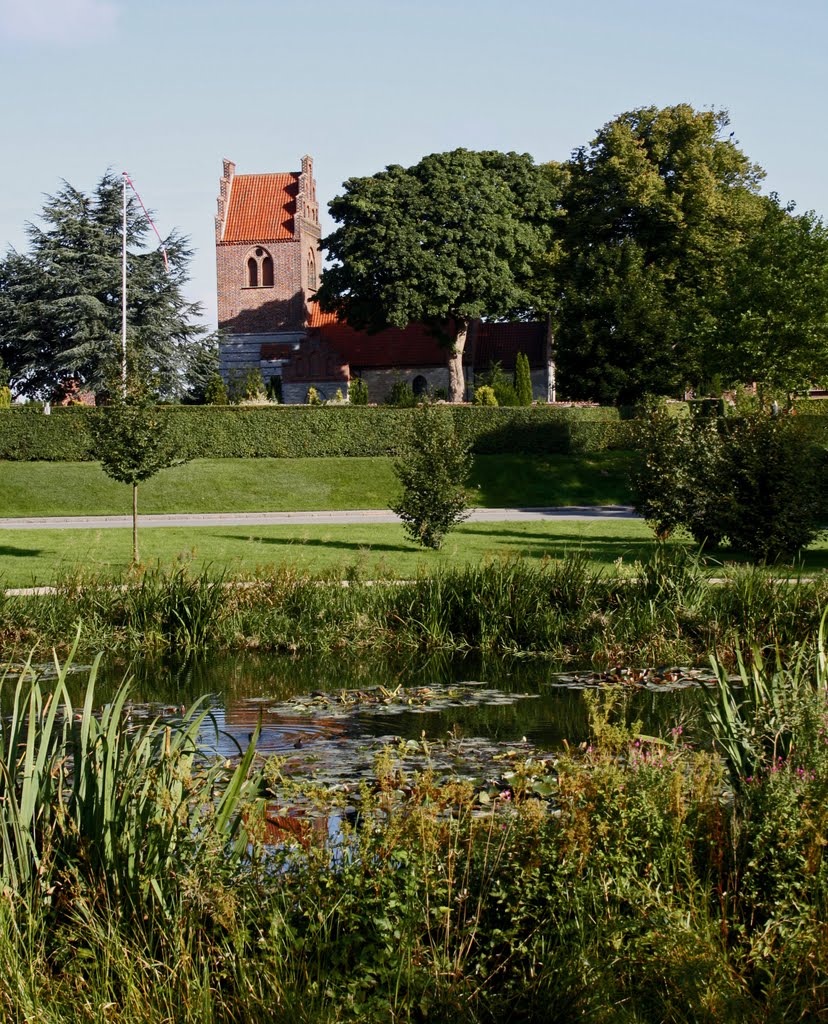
(523,380)
(60,303)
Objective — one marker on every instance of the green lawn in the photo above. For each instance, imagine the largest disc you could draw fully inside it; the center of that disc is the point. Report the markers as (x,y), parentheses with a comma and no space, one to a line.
(41,556)
(30,557)
(277,485)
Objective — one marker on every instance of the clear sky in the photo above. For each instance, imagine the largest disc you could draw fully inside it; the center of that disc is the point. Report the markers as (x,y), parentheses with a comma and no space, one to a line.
(165,88)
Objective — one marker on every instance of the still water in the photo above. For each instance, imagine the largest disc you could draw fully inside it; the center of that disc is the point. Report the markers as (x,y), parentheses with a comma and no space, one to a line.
(328,717)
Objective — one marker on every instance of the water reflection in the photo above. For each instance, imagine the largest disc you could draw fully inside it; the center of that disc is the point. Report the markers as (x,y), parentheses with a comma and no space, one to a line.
(245,690)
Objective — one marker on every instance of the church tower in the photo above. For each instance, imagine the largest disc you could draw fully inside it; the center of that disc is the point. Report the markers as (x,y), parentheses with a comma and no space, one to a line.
(267,265)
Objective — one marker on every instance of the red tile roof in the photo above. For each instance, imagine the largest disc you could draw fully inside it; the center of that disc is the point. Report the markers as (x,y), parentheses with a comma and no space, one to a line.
(262,208)
(319,319)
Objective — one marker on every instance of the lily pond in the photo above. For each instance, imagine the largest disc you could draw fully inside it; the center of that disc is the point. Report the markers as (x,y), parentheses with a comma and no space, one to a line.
(327,720)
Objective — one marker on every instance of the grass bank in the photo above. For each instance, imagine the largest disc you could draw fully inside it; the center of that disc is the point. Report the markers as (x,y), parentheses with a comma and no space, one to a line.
(624,882)
(661,611)
(278,485)
(378,550)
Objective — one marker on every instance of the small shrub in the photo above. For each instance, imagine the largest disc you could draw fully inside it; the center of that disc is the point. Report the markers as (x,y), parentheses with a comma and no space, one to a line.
(401,395)
(246,386)
(215,392)
(499,381)
(484,395)
(5,397)
(433,468)
(358,392)
(313,397)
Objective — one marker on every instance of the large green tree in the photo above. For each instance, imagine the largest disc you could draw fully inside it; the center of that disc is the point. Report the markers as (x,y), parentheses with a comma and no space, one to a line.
(657,209)
(453,239)
(60,302)
(773,325)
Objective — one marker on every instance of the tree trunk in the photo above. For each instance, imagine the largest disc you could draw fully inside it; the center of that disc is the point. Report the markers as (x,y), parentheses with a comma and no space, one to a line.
(457,382)
(135,524)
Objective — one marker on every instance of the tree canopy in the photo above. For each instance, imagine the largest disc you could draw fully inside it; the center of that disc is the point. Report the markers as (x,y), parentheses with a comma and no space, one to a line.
(60,302)
(656,210)
(450,240)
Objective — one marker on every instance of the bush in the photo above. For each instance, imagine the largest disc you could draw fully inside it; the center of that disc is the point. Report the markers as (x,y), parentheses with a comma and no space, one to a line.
(246,386)
(433,468)
(274,390)
(215,392)
(312,397)
(358,392)
(5,397)
(484,395)
(499,381)
(756,480)
(401,395)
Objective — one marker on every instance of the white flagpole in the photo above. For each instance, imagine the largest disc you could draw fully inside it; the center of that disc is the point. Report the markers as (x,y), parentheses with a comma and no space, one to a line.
(124,292)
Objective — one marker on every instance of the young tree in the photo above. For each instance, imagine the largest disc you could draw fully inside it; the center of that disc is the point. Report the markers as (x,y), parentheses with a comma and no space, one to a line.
(433,467)
(523,380)
(657,209)
(131,439)
(446,242)
(60,303)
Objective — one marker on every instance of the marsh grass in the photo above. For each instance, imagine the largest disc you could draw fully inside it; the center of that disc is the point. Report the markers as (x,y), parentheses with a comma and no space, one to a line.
(663,610)
(627,888)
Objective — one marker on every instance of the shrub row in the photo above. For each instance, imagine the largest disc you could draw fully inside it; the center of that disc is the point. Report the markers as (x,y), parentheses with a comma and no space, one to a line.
(300,431)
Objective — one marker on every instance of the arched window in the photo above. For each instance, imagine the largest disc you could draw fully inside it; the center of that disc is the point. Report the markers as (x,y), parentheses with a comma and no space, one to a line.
(311,272)
(258,269)
(419,385)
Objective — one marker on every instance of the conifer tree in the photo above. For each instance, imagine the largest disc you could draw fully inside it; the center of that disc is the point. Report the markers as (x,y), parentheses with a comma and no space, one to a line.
(523,380)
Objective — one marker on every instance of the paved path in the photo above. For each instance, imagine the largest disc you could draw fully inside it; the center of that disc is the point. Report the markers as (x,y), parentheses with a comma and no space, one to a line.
(478,515)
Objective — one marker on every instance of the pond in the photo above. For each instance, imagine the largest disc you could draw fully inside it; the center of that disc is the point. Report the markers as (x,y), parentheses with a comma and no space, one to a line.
(329,717)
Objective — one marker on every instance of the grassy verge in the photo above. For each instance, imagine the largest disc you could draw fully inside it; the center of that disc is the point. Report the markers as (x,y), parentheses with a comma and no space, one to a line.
(624,881)
(275,485)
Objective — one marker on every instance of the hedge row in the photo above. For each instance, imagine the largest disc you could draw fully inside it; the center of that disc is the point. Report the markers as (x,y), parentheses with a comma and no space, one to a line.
(296,431)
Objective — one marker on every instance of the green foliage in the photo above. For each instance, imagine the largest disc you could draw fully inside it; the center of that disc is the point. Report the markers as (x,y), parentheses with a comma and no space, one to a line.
(501,384)
(312,397)
(302,431)
(485,395)
(5,397)
(447,241)
(523,380)
(132,441)
(215,393)
(401,395)
(756,480)
(65,324)
(433,468)
(246,386)
(658,207)
(358,391)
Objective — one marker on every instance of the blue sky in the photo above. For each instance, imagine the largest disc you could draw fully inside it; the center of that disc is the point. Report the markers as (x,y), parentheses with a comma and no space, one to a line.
(166,88)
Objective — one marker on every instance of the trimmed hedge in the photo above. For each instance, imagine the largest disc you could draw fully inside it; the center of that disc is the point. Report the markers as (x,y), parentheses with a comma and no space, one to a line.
(297,431)
(216,432)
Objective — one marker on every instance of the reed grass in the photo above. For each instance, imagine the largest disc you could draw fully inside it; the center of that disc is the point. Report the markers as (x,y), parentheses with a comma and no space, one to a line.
(663,610)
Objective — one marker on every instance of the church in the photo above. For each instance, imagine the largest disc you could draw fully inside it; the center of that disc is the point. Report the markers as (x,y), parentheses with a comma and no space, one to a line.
(268,264)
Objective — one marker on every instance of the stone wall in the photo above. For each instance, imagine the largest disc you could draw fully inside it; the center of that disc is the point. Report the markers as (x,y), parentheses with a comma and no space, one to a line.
(381,381)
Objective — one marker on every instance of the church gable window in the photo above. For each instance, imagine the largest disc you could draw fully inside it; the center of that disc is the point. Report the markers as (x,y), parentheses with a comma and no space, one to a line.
(311,272)
(252,273)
